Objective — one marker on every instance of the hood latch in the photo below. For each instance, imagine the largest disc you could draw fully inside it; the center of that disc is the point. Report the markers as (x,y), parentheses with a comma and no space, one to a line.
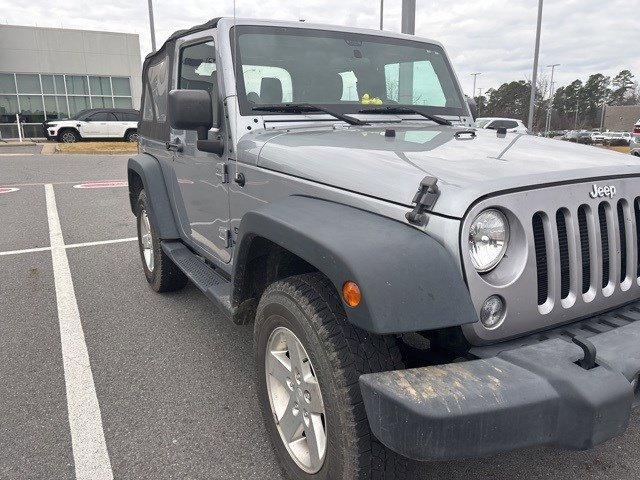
(424,199)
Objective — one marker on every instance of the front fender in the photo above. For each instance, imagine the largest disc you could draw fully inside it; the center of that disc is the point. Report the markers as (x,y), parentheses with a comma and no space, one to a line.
(409,281)
(150,172)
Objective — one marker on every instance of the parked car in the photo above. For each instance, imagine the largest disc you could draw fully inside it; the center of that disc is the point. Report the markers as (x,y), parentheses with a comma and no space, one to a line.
(616,139)
(570,136)
(597,137)
(584,138)
(512,125)
(636,128)
(95,123)
(404,273)
(635,145)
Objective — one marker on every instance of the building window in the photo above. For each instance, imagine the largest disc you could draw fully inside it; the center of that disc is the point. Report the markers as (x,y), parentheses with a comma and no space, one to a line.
(40,97)
(8,108)
(121,86)
(77,85)
(100,86)
(7,83)
(28,83)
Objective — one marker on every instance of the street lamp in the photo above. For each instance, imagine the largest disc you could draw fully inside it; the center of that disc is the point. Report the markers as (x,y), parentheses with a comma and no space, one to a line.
(475,75)
(151,26)
(534,77)
(547,124)
(381,13)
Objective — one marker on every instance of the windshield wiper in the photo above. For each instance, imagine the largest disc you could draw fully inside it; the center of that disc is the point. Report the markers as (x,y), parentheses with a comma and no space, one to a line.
(306,108)
(402,109)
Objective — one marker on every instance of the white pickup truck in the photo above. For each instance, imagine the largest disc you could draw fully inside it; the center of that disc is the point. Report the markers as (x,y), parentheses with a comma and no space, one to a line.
(95,123)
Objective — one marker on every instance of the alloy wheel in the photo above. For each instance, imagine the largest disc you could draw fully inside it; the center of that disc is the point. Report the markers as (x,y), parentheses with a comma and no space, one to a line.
(146,241)
(296,400)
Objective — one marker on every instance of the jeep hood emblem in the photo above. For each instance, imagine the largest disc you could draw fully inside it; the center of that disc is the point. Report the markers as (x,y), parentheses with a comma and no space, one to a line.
(599,192)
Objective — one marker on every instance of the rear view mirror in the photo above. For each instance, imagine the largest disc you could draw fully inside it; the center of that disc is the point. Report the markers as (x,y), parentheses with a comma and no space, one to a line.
(191,110)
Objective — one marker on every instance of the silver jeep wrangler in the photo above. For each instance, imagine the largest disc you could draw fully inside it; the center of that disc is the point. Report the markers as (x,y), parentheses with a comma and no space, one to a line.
(419,289)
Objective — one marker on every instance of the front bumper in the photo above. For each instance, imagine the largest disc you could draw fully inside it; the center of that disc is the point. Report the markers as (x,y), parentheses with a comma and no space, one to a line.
(525,393)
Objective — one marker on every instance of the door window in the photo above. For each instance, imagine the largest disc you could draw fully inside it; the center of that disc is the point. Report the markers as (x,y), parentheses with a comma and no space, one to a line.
(102,117)
(198,70)
(198,67)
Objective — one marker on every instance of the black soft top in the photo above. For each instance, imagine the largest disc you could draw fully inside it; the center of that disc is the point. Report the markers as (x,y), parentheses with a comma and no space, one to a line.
(213,23)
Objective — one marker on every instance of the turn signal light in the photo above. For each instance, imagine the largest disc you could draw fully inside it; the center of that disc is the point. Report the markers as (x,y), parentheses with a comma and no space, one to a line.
(351,293)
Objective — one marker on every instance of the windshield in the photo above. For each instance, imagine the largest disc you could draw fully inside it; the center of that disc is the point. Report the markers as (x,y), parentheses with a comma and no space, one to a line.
(344,71)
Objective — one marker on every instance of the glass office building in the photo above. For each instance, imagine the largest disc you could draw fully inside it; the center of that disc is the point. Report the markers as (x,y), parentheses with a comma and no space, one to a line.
(37,97)
(52,73)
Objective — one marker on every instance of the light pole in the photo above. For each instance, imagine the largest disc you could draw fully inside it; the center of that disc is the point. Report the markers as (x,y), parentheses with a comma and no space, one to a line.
(409,17)
(405,84)
(381,13)
(534,77)
(152,27)
(475,75)
(547,124)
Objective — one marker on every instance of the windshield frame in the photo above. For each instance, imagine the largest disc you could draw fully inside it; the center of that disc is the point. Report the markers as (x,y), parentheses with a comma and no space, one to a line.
(246,107)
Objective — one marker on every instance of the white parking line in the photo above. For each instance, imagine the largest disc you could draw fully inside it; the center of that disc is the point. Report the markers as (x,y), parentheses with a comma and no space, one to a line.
(26,250)
(90,454)
(101,242)
(71,245)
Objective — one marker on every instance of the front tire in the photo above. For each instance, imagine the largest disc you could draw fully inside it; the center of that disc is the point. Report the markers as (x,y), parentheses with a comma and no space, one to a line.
(162,274)
(309,359)
(69,136)
(131,136)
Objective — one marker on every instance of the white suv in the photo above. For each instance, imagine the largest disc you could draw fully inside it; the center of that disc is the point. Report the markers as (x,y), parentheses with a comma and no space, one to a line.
(513,125)
(95,123)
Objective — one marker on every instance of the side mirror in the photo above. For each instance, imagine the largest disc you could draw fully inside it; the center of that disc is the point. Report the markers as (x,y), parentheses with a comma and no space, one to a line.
(473,108)
(191,110)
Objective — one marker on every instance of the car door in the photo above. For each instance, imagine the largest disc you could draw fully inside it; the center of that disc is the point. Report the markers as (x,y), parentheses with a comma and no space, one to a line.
(97,125)
(117,128)
(202,179)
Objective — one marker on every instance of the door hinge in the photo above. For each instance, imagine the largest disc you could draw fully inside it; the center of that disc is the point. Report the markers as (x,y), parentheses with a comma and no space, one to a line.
(225,235)
(222,172)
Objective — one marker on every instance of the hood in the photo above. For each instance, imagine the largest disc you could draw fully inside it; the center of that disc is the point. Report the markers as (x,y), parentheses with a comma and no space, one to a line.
(366,161)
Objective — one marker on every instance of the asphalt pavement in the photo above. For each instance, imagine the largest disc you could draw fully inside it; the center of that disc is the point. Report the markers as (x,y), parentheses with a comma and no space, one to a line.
(173,379)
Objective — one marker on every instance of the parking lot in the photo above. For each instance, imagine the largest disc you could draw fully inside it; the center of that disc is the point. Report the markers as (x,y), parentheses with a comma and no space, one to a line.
(102,378)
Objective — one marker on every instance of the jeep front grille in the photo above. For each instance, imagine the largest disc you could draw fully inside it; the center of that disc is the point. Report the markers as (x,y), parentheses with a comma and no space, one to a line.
(608,236)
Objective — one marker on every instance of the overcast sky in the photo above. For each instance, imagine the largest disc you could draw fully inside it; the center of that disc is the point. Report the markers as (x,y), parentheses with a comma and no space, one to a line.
(489,36)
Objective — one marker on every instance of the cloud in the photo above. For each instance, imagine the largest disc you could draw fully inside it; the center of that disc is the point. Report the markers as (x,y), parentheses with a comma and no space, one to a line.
(495,37)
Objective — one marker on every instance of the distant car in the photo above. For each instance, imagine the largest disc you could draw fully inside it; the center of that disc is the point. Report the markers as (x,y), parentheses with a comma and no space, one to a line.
(597,137)
(95,123)
(635,145)
(570,136)
(584,138)
(512,125)
(617,139)
(636,128)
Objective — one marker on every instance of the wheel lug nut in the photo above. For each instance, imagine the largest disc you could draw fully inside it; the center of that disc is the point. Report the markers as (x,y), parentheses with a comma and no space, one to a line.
(307,396)
(289,384)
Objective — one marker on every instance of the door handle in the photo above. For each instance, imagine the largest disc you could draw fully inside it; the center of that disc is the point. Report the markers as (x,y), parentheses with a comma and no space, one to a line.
(176,145)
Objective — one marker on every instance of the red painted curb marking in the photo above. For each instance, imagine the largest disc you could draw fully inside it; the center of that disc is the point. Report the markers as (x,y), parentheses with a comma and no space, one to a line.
(8,190)
(102,184)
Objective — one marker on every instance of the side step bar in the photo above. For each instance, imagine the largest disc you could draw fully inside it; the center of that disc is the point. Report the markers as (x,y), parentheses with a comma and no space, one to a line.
(213,285)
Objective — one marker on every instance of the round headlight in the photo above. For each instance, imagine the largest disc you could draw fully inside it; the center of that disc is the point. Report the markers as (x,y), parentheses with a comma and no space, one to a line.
(488,239)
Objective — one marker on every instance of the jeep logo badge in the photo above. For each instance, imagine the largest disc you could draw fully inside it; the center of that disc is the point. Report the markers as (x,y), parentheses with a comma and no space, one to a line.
(599,192)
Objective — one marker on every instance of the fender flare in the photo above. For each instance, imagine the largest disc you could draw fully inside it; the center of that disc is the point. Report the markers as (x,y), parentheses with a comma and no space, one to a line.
(409,281)
(150,172)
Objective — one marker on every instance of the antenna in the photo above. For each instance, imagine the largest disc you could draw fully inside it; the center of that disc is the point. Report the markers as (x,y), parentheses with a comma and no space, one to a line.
(238,175)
